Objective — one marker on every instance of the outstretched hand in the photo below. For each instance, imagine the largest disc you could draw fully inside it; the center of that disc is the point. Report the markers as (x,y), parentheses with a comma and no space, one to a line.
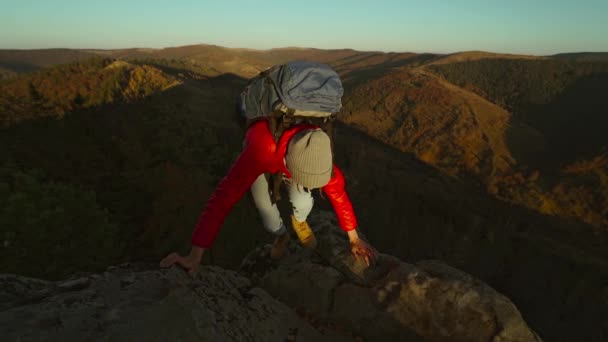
(362,250)
(191,262)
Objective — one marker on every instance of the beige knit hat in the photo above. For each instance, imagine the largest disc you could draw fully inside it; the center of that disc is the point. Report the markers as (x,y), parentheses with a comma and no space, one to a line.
(309,158)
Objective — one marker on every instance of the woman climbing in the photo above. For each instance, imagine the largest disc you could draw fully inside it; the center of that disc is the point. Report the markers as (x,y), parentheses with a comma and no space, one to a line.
(286,108)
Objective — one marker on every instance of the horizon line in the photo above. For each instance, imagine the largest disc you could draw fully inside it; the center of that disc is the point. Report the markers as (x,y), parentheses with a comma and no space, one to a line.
(286,48)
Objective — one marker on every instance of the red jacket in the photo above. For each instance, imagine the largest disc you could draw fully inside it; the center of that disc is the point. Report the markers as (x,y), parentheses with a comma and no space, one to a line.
(261,154)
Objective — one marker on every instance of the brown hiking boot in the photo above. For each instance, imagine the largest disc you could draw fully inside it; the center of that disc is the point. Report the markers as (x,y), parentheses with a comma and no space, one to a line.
(305,234)
(279,247)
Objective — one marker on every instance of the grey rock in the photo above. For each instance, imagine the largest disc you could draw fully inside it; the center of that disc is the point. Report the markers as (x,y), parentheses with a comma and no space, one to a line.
(130,303)
(391,300)
(335,296)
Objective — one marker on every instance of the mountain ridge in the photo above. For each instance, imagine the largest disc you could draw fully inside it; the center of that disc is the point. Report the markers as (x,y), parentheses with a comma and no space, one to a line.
(151,163)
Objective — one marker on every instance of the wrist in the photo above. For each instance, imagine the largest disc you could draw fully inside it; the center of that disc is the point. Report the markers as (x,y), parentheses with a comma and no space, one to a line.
(352,235)
(197,252)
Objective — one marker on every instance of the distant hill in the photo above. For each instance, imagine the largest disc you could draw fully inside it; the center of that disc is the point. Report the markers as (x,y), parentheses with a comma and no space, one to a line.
(583,56)
(546,95)
(20,61)
(55,91)
(214,60)
(469,56)
(445,126)
(209,60)
(515,124)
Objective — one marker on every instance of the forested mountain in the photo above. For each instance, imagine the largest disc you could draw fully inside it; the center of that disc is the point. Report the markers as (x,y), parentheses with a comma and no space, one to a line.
(494,163)
(55,91)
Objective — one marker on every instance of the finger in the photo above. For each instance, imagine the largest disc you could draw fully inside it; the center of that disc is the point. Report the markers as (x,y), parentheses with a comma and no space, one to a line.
(355,254)
(169,260)
(362,257)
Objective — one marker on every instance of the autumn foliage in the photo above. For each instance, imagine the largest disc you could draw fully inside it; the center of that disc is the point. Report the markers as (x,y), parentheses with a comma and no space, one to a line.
(56,91)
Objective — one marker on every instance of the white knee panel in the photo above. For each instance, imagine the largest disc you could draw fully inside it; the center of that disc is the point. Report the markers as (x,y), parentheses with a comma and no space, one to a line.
(271,219)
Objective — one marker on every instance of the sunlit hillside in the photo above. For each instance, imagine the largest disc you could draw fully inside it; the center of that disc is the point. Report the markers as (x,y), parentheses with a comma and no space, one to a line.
(445,126)
(59,90)
(495,164)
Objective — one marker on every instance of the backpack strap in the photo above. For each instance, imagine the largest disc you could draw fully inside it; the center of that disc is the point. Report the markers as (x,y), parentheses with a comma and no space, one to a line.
(278,122)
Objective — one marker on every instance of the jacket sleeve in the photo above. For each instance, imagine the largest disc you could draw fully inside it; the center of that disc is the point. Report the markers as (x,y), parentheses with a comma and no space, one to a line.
(338,197)
(229,191)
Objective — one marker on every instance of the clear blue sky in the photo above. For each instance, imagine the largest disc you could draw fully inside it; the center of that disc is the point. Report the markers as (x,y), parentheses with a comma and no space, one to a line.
(513,26)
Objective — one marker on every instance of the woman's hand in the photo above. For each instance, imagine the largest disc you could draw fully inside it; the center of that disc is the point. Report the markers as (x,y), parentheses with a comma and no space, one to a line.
(361,249)
(191,262)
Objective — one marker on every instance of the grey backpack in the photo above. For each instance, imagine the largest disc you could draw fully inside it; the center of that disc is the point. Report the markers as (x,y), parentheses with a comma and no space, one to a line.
(289,94)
